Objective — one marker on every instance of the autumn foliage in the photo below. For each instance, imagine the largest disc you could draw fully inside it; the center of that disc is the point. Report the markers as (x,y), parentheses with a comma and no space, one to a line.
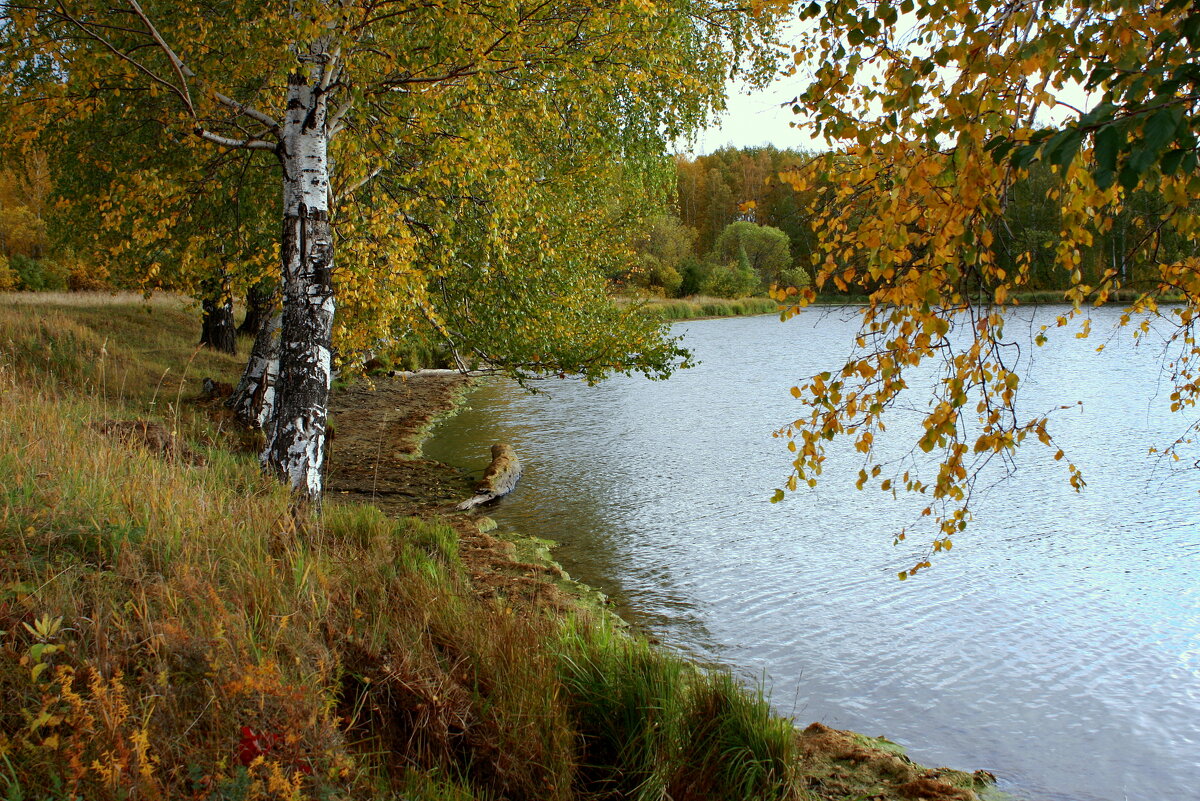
(940,111)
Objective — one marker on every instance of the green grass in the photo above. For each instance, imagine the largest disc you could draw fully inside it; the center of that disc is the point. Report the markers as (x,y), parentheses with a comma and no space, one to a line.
(654,726)
(704,307)
(167,630)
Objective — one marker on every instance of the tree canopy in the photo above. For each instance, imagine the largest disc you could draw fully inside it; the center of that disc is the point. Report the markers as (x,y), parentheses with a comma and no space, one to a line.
(765,249)
(940,112)
(433,148)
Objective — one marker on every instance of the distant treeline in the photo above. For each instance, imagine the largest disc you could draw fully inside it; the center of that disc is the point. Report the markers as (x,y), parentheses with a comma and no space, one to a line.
(735,228)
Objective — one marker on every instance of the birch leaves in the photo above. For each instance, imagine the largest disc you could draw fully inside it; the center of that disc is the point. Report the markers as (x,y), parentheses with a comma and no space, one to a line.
(424,143)
(938,109)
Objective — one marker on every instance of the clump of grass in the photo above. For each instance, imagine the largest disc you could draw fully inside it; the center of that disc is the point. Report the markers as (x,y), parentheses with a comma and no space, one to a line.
(653,726)
(701,307)
(733,746)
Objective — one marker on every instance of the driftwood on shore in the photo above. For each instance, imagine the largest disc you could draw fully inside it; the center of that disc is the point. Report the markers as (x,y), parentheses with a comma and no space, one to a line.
(499,479)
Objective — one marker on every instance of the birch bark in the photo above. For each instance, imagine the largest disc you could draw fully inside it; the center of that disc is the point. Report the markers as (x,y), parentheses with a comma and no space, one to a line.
(295,447)
(253,401)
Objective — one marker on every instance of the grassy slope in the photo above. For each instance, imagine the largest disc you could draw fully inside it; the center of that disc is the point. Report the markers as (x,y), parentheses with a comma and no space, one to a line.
(169,632)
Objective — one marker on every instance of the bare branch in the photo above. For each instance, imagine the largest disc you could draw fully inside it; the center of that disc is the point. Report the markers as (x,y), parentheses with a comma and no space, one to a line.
(251,112)
(360,183)
(241,144)
(331,66)
(334,124)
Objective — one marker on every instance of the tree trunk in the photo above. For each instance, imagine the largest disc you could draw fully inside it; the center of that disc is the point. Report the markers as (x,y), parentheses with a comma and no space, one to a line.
(254,398)
(259,300)
(295,448)
(216,327)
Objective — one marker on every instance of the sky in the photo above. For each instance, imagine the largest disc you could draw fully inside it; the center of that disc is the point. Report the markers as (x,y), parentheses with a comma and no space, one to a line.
(757,118)
(764,117)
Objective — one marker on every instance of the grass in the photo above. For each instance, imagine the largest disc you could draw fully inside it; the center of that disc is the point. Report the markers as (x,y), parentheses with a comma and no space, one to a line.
(702,307)
(167,630)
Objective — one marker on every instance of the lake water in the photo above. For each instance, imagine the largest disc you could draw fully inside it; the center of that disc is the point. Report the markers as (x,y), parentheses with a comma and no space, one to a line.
(1058,645)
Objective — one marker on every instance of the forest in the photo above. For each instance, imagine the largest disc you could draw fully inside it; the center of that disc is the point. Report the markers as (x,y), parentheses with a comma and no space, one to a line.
(734,228)
(730,227)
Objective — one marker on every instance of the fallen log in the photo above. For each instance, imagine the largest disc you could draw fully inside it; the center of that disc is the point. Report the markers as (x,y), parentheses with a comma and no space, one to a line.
(498,480)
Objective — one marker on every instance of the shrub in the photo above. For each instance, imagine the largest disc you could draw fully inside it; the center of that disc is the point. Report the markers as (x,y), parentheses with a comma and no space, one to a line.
(38,275)
(694,272)
(764,249)
(667,277)
(85,277)
(730,281)
(8,276)
(794,276)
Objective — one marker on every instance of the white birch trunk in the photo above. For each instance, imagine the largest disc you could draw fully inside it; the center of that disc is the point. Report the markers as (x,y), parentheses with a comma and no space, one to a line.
(253,401)
(295,447)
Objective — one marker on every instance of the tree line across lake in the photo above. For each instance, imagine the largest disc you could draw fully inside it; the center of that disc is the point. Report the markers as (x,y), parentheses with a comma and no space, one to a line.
(731,229)
(734,228)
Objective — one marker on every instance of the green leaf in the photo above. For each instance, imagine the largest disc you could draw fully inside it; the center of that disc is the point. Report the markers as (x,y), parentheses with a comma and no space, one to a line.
(1108,142)
(1160,130)
(777,497)
(1171,161)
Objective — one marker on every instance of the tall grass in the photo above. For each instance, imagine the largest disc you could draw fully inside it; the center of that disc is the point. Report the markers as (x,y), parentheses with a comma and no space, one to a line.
(706,307)
(167,630)
(653,726)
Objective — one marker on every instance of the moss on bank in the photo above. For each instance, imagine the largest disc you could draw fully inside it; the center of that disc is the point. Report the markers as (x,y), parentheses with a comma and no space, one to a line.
(167,630)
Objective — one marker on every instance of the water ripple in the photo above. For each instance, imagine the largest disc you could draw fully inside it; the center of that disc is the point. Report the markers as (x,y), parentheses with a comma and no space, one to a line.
(1058,646)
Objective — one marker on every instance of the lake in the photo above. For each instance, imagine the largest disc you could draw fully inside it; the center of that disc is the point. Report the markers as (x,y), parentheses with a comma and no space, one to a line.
(1057,645)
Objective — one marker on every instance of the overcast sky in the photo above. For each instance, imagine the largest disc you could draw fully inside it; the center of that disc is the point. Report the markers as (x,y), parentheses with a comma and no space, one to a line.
(757,119)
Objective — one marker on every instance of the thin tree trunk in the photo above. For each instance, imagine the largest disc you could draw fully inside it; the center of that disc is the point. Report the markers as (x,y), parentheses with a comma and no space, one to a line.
(216,326)
(295,448)
(253,401)
(259,300)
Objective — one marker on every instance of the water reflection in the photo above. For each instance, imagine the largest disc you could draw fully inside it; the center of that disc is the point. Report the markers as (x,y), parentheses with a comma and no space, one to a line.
(1058,645)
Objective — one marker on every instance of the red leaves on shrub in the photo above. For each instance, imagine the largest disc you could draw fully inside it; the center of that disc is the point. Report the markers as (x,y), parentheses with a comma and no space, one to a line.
(254,744)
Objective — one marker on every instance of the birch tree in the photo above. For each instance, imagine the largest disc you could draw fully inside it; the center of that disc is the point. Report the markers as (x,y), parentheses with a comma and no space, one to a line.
(423,109)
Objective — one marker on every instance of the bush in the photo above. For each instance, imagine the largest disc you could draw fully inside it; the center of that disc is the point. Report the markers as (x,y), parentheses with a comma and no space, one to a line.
(8,276)
(694,272)
(85,277)
(667,277)
(38,275)
(657,276)
(795,276)
(730,281)
(764,249)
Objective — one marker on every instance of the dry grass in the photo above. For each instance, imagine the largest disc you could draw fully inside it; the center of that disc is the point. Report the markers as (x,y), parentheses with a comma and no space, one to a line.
(168,631)
(167,300)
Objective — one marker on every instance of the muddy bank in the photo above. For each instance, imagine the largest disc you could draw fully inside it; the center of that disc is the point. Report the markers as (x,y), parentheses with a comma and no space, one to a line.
(376,458)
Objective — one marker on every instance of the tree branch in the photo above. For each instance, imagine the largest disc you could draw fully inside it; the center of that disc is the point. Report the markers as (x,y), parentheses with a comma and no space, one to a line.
(176,61)
(241,144)
(250,111)
(359,184)
(139,66)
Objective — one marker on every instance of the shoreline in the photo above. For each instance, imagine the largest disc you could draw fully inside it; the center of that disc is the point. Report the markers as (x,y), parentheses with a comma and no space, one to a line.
(394,417)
